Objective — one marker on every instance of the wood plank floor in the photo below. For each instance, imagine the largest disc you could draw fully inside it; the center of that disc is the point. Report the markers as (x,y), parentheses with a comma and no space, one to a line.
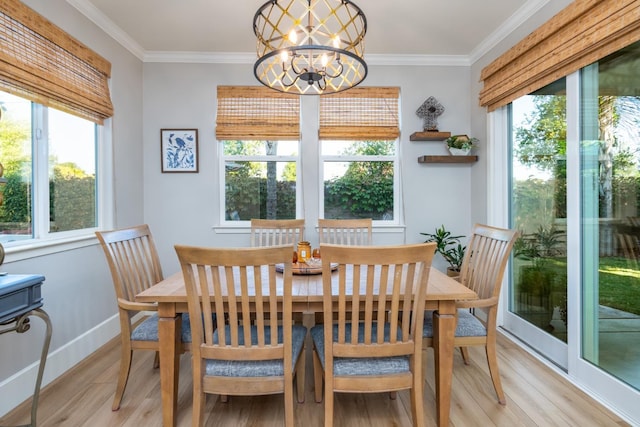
(536,396)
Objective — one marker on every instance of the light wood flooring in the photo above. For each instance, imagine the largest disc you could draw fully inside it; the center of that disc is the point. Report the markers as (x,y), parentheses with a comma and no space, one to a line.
(536,396)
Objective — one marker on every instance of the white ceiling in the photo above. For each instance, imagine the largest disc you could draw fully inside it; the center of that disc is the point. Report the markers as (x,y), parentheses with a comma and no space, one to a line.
(462,29)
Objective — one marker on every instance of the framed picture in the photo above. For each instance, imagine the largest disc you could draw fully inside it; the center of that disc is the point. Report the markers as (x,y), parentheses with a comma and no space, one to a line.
(179,150)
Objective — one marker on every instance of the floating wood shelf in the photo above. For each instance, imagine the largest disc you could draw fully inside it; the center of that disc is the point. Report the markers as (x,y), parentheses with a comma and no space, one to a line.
(447,159)
(429,136)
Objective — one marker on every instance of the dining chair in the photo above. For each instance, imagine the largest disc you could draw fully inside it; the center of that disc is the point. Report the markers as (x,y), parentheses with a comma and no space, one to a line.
(345,231)
(135,266)
(274,232)
(375,343)
(252,348)
(483,267)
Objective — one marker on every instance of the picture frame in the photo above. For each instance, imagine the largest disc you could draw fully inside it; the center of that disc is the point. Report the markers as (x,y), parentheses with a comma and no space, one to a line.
(179,150)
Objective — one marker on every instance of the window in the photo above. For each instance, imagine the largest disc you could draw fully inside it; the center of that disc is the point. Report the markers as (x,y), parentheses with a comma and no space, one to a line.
(356,149)
(54,97)
(358,130)
(49,160)
(359,179)
(259,179)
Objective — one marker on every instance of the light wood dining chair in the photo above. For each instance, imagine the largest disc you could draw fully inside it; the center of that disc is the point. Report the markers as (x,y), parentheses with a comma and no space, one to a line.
(275,232)
(135,266)
(483,268)
(375,343)
(253,348)
(345,231)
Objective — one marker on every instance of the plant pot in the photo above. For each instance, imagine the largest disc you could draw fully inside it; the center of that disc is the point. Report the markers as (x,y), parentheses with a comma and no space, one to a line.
(452,273)
(459,151)
(535,289)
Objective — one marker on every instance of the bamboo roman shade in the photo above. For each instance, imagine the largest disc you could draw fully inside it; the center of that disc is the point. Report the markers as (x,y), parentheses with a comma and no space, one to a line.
(582,33)
(257,113)
(361,113)
(42,63)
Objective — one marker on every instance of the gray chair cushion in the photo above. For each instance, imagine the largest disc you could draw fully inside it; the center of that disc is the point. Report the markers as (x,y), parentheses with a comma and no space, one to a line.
(251,368)
(148,329)
(468,325)
(343,366)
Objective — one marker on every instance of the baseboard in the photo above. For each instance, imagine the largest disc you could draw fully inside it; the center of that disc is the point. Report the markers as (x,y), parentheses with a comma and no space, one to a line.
(20,386)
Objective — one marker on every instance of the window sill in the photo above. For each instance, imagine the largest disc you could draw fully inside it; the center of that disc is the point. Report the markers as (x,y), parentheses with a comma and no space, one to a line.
(46,247)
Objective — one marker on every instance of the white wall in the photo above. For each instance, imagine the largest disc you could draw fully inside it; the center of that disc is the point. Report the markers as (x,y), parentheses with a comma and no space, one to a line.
(78,294)
(184,208)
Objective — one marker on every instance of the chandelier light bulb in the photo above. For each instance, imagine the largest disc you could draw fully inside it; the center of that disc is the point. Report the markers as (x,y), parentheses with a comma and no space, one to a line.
(324,60)
(293,36)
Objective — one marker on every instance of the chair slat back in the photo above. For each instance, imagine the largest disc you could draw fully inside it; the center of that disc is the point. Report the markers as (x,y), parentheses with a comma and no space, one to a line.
(486,259)
(379,292)
(133,260)
(248,297)
(276,232)
(345,231)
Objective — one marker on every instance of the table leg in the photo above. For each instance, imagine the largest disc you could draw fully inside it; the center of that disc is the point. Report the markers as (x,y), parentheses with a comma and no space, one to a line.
(23,325)
(444,326)
(169,341)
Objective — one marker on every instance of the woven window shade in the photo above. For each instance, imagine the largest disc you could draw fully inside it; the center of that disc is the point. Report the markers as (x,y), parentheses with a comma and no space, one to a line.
(582,33)
(361,113)
(42,63)
(257,113)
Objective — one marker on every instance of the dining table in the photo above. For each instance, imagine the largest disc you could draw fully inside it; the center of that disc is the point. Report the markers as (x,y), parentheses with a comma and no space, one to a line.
(171,298)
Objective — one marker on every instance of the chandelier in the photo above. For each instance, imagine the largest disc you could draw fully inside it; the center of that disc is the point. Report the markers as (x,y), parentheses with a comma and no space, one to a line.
(310,47)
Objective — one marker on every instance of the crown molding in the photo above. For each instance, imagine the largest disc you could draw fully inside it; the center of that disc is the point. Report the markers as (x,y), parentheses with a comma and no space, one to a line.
(92,13)
(250,58)
(518,18)
(409,59)
(200,57)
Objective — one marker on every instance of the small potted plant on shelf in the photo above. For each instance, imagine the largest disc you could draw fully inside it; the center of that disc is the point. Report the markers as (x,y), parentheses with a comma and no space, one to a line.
(460,145)
(449,247)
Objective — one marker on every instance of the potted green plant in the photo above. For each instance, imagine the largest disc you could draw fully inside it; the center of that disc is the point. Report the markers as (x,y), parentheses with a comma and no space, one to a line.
(449,247)
(538,278)
(461,145)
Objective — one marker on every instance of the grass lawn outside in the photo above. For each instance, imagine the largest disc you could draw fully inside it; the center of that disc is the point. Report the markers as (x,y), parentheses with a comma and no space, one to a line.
(620,284)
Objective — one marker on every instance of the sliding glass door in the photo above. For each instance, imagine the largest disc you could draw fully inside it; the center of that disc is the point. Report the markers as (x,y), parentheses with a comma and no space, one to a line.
(574,181)
(610,223)
(538,297)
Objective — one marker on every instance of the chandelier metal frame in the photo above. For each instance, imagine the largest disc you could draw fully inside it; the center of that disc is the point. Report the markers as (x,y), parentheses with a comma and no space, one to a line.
(310,47)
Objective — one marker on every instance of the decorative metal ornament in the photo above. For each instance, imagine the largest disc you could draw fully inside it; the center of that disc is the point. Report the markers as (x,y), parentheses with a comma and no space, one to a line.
(310,47)
(429,112)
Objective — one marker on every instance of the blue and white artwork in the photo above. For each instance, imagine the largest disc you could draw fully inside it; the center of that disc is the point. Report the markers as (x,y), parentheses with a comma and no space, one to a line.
(179,150)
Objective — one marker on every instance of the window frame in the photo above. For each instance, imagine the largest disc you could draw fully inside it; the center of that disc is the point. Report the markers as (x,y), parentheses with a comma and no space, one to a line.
(383,100)
(255,158)
(43,241)
(362,158)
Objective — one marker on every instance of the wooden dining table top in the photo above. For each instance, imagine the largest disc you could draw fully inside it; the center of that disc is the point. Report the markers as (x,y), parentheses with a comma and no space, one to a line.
(308,289)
